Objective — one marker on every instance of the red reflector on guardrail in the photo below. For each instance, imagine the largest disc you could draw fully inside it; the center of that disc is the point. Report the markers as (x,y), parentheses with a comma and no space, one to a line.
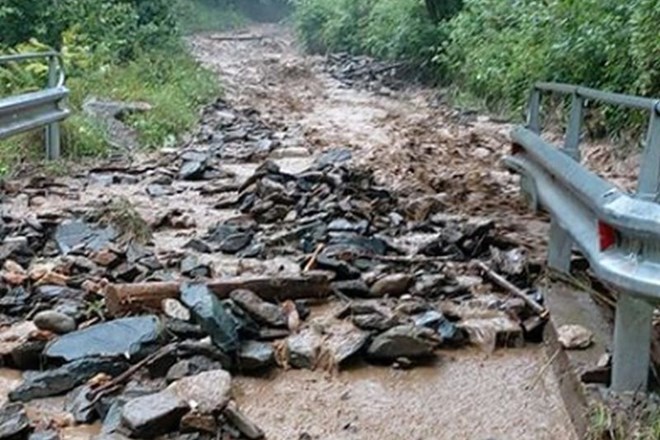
(606,235)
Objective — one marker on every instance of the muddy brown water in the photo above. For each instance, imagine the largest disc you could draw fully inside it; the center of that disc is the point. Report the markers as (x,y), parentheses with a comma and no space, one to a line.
(466,394)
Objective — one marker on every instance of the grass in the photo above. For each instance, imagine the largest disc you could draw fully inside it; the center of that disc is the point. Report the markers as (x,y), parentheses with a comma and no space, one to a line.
(635,421)
(171,81)
(122,215)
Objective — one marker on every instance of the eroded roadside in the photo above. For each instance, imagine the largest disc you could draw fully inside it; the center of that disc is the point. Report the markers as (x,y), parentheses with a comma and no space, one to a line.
(390,193)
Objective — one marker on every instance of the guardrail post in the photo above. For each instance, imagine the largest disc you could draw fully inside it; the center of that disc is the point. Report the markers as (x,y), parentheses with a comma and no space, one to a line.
(534,111)
(572,142)
(649,175)
(632,344)
(53,130)
(560,248)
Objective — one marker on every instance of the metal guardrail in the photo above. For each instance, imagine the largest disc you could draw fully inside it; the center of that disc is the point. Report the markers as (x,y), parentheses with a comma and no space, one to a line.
(44,108)
(618,233)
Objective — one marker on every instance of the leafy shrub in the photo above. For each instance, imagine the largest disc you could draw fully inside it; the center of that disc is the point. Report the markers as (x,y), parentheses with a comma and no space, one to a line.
(402,29)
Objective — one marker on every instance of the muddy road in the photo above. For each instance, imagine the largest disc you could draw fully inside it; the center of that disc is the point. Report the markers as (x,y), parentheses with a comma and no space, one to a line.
(386,193)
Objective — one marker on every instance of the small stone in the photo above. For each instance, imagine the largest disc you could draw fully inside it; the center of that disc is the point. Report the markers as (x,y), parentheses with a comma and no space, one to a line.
(259,309)
(105,258)
(14,423)
(153,415)
(304,349)
(174,309)
(403,341)
(192,170)
(256,356)
(205,392)
(55,322)
(191,367)
(392,285)
(192,267)
(574,337)
(195,422)
(242,423)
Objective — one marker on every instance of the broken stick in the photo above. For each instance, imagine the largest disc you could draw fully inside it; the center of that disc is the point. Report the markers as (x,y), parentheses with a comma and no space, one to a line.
(124,298)
(504,283)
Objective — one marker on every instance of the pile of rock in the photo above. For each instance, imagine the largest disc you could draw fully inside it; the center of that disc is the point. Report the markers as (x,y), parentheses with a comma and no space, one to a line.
(364,72)
(399,270)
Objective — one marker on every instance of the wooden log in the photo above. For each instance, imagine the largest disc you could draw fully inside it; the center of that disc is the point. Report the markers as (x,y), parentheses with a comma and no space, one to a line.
(140,297)
(504,283)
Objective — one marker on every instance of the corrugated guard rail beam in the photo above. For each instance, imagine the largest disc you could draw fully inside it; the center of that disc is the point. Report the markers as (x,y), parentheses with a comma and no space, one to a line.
(33,110)
(618,232)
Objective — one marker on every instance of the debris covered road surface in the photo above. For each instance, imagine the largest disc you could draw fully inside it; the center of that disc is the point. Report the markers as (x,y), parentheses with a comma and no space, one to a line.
(329,256)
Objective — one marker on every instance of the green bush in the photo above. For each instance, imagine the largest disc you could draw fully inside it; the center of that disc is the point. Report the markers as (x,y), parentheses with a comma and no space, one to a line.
(382,28)
(117,49)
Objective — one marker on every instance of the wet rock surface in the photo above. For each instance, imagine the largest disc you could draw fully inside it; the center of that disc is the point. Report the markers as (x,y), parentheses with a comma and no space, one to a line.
(14,423)
(62,379)
(153,415)
(118,338)
(402,342)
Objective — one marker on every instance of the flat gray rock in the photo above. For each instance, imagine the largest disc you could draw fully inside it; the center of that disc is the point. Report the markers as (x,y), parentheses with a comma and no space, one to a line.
(402,341)
(153,415)
(118,338)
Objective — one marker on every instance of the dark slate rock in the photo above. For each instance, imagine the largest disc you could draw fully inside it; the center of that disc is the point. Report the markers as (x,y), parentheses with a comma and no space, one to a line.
(192,267)
(352,288)
(125,336)
(430,319)
(80,406)
(15,301)
(206,348)
(27,356)
(199,245)
(262,311)
(65,378)
(14,423)
(153,415)
(402,341)
(256,356)
(192,170)
(112,420)
(241,422)
(334,156)
(374,321)
(184,329)
(393,285)
(344,225)
(17,249)
(49,292)
(451,334)
(212,316)
(191,367)
(72,234)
